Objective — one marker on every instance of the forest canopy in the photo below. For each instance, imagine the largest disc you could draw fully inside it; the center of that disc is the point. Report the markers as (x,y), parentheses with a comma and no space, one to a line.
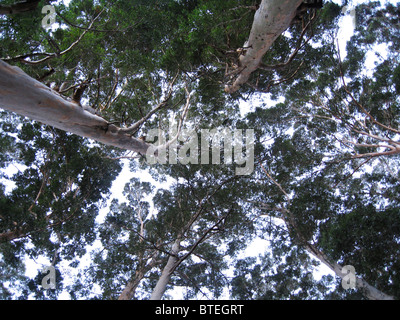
(308,164)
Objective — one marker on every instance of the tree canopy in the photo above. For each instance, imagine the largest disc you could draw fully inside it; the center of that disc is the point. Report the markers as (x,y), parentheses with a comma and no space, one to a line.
(81,98)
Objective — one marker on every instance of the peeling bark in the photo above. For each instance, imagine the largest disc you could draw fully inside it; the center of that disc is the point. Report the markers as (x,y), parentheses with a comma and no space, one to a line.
(271,19)
(28,97)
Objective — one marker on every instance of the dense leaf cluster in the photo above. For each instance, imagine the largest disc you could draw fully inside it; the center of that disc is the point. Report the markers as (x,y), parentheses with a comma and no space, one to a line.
(323,176)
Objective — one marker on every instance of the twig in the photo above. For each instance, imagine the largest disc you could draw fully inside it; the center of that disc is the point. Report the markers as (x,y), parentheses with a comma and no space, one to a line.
(356,102)
(53,55)
(109,101)
(133,128)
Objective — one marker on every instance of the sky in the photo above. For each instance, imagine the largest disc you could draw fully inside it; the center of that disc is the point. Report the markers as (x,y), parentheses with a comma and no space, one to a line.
(258,246)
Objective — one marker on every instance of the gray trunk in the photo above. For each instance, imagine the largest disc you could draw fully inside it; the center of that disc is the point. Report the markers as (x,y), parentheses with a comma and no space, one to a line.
(167,272)
(271,19)
(28,97)
(129,292)
(369,291)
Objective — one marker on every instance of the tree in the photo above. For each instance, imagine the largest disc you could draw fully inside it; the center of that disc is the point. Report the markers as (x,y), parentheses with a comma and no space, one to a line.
(189,221)
(59,186)
(326,153)
(320,167)
(48,107)
(270,21)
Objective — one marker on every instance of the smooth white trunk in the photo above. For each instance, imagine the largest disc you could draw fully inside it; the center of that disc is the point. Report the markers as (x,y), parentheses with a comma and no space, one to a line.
(167,272)
(271,19)
(28,97)
(369,291)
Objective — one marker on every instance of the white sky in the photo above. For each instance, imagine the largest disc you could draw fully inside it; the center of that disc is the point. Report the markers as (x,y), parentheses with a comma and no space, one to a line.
(257,247)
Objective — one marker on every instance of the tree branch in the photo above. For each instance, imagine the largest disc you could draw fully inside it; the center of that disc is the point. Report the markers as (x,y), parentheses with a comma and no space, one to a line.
(371,292)
(49,56)
(359,104)
(133,128)
(28,97)
(294,53)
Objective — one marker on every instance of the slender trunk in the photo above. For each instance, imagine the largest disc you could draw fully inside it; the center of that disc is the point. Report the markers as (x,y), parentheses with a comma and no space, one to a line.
(271,19)
(173,262)
(369,291)
(129,292)
(28,97)
(130,289)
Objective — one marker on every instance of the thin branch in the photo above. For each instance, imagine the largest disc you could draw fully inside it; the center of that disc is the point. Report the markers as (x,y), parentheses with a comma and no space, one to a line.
(181,121)
(109,101)
(275,182)
(254,7)
(87,81)
(277,82)
(366,145)
(96,30)
(201,239)
(28,55)
(157,246)
(294,53)
(354,171)
(53,55)
(184,276)
(356,102)
(377,154)
(133,128)
(42,186)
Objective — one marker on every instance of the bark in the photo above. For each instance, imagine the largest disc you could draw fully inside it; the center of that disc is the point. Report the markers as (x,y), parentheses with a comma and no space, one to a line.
(28,97)
(271,19)
(368,290)
(19,7)
(173,262)
(129,292)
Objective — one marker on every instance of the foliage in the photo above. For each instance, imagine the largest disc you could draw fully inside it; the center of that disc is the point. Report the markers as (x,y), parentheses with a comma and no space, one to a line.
(326,154)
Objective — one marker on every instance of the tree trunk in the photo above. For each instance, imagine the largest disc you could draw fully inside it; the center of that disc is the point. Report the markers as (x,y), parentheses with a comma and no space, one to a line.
(173,262)
(271,19)
(369,291)
(28,97)
(19,7)
(129,292)
(130,289)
